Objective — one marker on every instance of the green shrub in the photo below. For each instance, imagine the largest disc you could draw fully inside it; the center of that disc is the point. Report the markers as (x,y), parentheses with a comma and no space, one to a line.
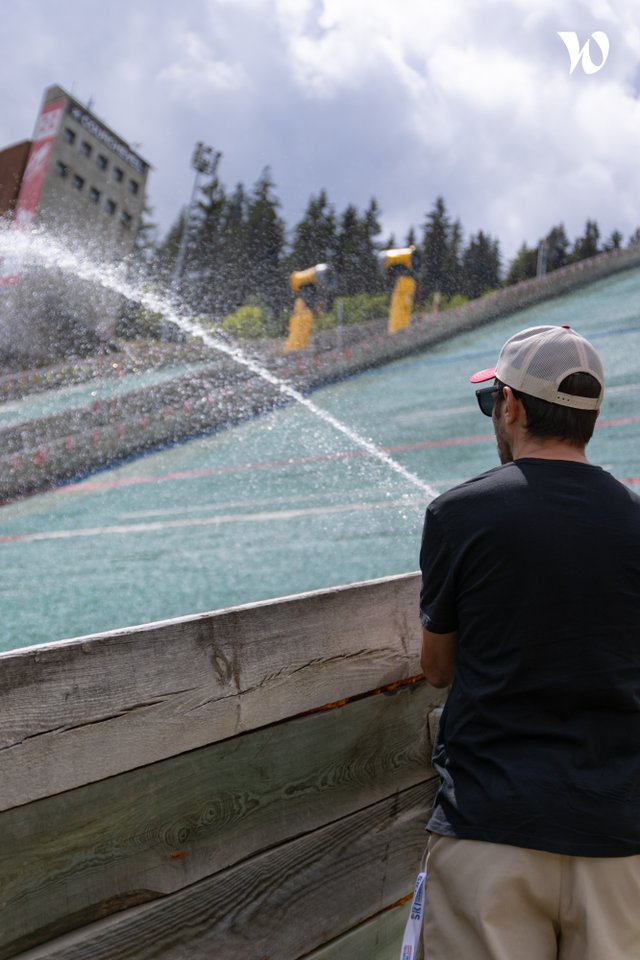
(276,323)
(457,300)
(247,323)
(357,309)
(138,322)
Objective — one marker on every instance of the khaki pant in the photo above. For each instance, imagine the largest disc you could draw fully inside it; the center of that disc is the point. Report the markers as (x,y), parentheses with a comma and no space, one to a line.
(489,901)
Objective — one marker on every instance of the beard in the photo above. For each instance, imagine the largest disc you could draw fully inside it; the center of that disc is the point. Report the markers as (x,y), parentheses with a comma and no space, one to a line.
(505,453)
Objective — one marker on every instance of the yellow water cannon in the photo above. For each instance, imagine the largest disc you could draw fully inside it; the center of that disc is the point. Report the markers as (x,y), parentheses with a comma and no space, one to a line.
(312,288)
(400,266)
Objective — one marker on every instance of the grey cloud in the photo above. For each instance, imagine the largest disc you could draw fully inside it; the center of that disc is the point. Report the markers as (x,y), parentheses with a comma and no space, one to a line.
(512,153)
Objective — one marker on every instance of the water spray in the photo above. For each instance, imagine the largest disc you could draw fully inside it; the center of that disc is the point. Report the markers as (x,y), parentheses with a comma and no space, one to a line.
(38,250)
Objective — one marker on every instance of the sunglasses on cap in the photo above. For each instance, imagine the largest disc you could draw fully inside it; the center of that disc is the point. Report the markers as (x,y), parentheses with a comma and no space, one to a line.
(486,397)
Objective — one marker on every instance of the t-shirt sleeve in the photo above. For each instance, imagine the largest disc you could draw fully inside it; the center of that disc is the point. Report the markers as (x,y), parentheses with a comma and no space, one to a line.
(437,596)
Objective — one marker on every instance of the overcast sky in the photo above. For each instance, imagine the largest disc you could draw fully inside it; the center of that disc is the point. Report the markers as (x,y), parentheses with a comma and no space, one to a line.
(398,99)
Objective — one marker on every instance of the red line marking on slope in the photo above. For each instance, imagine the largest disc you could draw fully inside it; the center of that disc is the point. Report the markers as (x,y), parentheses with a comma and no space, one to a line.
(267,464)
(91,485)
(617,421)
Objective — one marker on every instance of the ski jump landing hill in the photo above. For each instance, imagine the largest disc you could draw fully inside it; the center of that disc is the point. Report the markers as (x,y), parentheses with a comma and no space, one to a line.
(44,452)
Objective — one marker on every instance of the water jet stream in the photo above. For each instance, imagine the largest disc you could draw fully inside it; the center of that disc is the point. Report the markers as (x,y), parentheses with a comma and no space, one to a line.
(38,250)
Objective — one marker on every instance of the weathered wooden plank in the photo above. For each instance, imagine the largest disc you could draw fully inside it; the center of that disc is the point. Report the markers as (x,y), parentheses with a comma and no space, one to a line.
(281,904)
(71,858)
(78,711)
(377,939)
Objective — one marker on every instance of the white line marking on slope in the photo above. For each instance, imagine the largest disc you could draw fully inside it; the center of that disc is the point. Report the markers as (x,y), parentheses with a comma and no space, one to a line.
(266,516)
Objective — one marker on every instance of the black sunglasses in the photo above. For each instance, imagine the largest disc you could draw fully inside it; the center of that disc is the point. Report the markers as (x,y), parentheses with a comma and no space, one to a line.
(486,399)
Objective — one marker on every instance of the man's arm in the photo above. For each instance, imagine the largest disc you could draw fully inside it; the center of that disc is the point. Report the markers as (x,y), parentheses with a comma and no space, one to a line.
(438,657)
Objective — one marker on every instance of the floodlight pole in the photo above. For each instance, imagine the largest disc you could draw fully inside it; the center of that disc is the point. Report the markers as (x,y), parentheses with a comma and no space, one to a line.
(204,161)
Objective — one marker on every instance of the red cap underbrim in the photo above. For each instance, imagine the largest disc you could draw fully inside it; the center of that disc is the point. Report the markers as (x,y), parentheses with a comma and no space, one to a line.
(481,375)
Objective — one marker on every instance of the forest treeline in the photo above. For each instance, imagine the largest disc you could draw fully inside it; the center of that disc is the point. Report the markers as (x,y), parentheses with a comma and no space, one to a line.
(237,254)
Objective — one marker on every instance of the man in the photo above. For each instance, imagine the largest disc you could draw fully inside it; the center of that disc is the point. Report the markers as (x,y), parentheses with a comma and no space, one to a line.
(530,606)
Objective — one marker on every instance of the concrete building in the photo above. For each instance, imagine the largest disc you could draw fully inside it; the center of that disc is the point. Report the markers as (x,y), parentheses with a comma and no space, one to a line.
(80,183)
(13,161)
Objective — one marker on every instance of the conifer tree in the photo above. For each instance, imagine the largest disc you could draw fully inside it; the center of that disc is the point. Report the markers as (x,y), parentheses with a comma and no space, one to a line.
(356,257)
(452,273)
(145,244)
(480,265)
(614,242)
(204,268)
(314,237)
(347,259)
(234,267)
(264,245)
(557,247)
(435,250)
(523,266)
(587,245)
(369,229)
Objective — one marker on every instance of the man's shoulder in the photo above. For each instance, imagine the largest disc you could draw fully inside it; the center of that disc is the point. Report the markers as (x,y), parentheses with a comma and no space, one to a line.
(487,483)
(522,477)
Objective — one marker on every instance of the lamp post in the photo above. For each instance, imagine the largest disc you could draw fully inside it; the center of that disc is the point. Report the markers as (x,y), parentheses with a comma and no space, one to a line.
(204,161)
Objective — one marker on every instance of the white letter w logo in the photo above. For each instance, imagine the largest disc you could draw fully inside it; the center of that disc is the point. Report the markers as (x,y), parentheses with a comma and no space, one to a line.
(571,42)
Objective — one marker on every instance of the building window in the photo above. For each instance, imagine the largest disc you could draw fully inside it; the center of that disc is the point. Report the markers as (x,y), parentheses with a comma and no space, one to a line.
(62,169)
(85,149)
(69,135)
(117,174)
(126,219)
(110,207)
(78,182)
(102,161)
(133,186)
(94,195)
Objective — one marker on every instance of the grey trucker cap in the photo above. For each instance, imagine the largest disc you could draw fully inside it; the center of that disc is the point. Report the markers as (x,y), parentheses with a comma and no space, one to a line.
(536,361)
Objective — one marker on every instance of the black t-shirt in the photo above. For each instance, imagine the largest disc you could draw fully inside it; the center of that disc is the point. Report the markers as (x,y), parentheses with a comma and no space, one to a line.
(536,564)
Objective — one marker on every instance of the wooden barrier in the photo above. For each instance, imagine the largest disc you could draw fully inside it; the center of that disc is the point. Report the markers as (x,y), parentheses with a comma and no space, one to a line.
(250,783)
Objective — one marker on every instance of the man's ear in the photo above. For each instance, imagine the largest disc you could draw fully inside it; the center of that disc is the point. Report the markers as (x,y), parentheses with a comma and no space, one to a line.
(511,406)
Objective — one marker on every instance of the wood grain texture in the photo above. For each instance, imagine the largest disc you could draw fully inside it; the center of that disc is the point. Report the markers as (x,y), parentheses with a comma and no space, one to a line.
(280,904)
(377,939)
(69,859)
(79,711)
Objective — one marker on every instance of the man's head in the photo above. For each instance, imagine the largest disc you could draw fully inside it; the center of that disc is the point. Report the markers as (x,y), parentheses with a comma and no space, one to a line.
(553,378)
